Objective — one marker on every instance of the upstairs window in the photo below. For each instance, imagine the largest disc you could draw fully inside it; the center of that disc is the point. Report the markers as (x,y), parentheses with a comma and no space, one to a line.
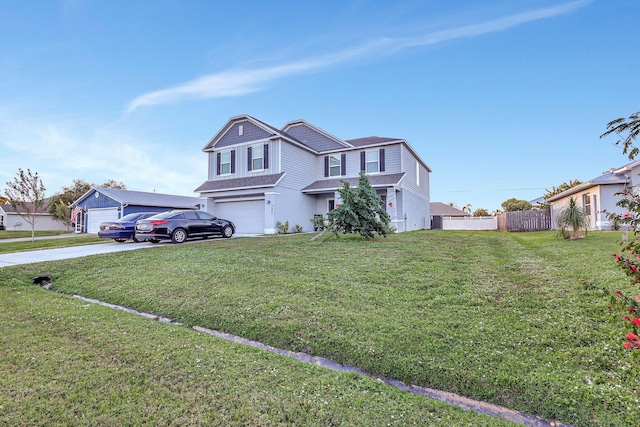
(335,165)
(258,157)
(372,161)
(226,162)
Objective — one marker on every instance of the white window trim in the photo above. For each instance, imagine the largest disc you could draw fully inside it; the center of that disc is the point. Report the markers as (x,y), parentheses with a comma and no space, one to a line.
(367,162)
(253,148)
(222,163)
(417,174)
(339,165)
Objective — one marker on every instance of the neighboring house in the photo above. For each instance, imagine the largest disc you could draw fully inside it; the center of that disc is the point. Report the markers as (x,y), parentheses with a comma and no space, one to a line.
(598,196)
(260,175)
(108,204)
(439,210)
(538,203)
(10,219)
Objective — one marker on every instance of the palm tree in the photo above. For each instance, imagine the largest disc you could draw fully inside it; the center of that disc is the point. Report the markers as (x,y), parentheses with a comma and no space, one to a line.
(575,218)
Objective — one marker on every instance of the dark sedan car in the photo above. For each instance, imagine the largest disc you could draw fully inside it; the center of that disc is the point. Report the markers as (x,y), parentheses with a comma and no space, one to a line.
(123,228)
(179,225)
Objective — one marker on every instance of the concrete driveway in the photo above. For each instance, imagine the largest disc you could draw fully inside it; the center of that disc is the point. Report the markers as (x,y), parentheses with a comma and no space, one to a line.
(28,257)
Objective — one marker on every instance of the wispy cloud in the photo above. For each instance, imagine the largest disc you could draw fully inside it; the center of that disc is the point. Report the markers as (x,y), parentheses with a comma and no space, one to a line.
(92,152)
(237,82)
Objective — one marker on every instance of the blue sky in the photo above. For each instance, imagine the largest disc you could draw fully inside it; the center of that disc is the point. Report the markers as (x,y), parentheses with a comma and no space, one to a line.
(501,98)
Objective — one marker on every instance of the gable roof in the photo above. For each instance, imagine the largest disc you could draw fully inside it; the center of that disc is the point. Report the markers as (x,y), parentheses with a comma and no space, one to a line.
(8,209)
(314,137)
(608,178)
(270,130)
(310,137)
(140,198)
(442,209)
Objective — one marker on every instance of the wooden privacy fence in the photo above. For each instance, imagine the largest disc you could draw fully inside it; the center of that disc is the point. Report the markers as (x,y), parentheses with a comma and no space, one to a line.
(534,220)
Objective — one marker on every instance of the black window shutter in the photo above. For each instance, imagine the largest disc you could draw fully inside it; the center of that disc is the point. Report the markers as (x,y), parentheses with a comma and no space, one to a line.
(382,160)
(363,165)
(266,156)
(250,157)
(218,164)
(343,164)
(326,166)
(233,161)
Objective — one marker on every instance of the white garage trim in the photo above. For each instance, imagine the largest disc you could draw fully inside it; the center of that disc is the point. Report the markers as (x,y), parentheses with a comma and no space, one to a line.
(246,215)
(97,216)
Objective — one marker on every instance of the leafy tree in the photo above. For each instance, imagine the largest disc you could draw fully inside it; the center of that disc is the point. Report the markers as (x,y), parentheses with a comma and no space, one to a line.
(573,217)
(513,204)
(26,193)
(481,212)
(3,200)
(627,129)
(560,188)
(361,211)
(467,208)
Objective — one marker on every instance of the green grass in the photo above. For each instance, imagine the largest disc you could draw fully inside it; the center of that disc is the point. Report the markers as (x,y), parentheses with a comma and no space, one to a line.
(65,362)
(14,234)
(64,242)
(517,319)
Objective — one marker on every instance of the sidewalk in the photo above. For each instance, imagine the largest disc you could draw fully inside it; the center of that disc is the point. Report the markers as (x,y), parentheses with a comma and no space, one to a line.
(28,239)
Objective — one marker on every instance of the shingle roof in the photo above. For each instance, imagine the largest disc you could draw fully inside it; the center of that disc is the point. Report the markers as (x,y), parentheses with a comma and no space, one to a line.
(442,209)
(335,183)
(240,183)
(607,178)
(7,208)
(370,140)
(149,199)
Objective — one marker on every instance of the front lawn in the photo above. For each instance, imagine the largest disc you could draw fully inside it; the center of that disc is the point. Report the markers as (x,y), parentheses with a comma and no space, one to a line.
(69,363)
(517,319)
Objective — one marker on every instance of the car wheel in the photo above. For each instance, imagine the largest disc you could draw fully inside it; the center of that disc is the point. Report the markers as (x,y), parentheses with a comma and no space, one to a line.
(179,235)
(227,231)
(154,240)
(135,240)
(119,240)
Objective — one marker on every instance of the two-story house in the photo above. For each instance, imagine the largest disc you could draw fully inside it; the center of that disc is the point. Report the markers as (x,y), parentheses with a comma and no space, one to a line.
(260,175)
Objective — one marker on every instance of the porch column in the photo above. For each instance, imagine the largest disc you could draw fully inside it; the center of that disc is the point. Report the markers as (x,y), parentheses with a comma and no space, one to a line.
(392,208)
(270,199)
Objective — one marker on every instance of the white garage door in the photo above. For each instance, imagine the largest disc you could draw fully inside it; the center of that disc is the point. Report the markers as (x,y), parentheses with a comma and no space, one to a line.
(97,216)
(248,216)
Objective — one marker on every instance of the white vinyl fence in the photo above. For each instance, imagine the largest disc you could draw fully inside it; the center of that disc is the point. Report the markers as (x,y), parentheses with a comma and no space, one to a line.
(470,223)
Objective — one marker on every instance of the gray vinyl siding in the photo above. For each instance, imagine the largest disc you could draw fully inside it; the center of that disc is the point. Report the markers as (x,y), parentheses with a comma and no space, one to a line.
(293,206)
(415,213)
(250,133)
(313,139)
(296,163)
(410,182)
(242,161)
(392,154)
